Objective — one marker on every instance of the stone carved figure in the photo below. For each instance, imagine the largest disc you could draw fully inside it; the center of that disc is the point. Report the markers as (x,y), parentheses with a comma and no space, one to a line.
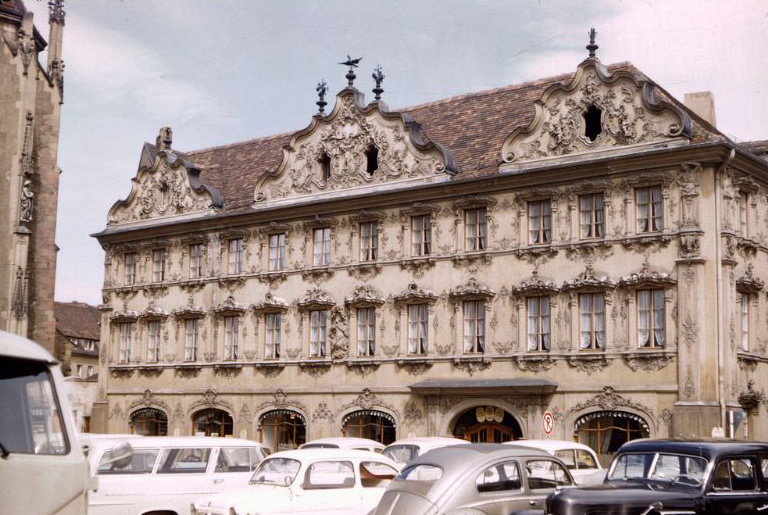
(27,202)
(338,334)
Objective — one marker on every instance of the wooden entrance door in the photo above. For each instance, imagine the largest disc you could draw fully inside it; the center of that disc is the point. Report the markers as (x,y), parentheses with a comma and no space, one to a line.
(489,432)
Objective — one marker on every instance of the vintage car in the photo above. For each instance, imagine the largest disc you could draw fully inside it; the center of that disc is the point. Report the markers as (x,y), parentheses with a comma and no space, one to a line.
(343,442)
(580,459)
(681,477)
(308,481)
(491,479)
(404,451)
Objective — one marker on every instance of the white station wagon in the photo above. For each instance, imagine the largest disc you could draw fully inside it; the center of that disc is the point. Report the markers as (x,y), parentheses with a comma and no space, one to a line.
(308,481)
(580,459)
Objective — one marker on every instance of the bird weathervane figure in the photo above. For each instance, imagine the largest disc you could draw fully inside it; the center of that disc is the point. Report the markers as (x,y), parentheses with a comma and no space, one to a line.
(352,63)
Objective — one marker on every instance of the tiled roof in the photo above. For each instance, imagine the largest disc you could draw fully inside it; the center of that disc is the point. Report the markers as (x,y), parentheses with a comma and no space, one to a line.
(472,127)
(77,320)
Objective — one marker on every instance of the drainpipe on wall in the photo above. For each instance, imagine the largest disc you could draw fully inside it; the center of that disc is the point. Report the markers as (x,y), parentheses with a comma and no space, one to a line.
(719,259)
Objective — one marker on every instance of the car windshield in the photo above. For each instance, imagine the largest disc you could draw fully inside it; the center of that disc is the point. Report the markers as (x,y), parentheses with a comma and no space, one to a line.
(276,471)
(421,473)
(401,453)
(675,468)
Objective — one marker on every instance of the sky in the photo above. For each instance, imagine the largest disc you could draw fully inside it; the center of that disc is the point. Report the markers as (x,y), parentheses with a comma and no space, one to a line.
(224,71)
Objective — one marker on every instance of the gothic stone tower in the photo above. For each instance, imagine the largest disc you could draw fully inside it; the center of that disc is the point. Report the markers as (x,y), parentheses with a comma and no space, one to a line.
(31,94)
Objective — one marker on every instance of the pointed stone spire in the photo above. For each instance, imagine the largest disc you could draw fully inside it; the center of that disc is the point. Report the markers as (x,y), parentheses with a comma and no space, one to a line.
(56,12)
(592,46)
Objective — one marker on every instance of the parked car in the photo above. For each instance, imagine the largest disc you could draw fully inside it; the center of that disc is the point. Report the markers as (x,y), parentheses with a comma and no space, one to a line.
(580,459)
(166,474)
(404,451)
(343,442)
(685,477)
(316,481)
(491,479)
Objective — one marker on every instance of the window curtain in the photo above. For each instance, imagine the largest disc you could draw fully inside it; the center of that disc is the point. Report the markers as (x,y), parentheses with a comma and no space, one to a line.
(365,335)
(599,216)
(125,342)
(469,326)
(586,216)
(745,321)
(154,341)
(470,230)
(545,323)
(481,229)
(190,346)
(317,335)
(642,210)
(273,336)
(659,335)
(643,318)
(230,337)
(534,215)
(546,215)
(657,210)
(533,323)
(585,307)
(318,247)
(427,235)
(599,304)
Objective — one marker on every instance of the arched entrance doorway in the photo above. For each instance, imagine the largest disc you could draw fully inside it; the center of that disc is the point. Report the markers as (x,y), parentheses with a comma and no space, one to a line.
(606,431)
(282,429)
(372,424)
(487,424)
(212,422)
(148,422)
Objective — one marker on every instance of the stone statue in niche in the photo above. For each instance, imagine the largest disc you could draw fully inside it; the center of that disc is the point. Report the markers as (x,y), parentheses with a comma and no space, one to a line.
(27,202)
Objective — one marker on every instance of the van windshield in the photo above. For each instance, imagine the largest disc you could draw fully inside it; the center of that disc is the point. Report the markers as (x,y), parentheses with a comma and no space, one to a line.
(30,418)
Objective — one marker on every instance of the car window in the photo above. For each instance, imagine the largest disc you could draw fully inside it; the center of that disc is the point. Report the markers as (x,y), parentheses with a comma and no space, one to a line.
(184,461)
(585,460)
(276,471)
(330,474)
(734,475)
(401,453)
(500,477)
(238,459)
(546,474)
(319,446)
(421,473)
(677,468)
(376,474)
(567,457)
(142,462)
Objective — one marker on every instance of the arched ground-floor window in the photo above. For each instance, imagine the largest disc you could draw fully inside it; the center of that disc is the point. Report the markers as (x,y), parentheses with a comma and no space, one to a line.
(282,429)
(148,422)
(606,431)
(212,422)
(372,424)
(487,424)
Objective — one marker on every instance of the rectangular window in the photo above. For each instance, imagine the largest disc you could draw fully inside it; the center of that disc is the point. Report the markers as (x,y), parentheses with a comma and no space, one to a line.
(273,334)
(592,211)
(366,331)
(592,313)
(235,256)
(153,341)
(231,337)
(126,330)
(474,326)
(475,229)
(650,215)
(421,235)
(318,325)
(158,265)
(650,318)
(276,252)
(322,247)
(90,371)
(196,261)
(191,339)
(744,213)
(540,222)
(369,241)
(744,321)
(131,259)
(538,323)
(79,372)
(418,329)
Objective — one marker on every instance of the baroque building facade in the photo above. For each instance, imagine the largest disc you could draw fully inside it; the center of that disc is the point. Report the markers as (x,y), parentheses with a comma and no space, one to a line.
(31,94)
(581,256)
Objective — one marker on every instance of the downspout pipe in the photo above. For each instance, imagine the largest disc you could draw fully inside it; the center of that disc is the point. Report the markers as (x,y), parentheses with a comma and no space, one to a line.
(720,291)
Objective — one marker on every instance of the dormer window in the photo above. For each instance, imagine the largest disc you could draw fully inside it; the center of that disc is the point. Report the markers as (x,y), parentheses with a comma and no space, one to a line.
(372,159)
(593,127)
(325,166)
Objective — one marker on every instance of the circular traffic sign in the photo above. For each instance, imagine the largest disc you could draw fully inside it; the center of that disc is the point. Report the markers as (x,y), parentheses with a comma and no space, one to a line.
(548,421)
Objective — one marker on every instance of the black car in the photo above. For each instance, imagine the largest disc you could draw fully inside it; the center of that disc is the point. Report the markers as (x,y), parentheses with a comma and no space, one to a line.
(680,477)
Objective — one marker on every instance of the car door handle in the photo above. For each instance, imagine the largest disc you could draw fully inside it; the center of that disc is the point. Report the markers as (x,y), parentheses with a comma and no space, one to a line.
(533,502)
(763,507)
(217,481)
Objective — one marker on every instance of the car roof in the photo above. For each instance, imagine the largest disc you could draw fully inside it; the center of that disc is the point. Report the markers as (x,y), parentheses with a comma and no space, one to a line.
(705,447)
(550,445)
(325,453)
(474,453)
(345,442)
(15,346)
(176,441)
(420,440)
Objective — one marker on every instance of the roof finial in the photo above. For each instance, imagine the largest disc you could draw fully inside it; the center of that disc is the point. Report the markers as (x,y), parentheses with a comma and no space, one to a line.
(352,63)
(164,139)
(321,89)
(592,46)
(378,76)
(56,11)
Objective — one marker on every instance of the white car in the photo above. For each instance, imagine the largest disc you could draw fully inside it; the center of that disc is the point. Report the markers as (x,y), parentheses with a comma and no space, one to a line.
(308,481)
(580,459)
(343,442)
(405,450)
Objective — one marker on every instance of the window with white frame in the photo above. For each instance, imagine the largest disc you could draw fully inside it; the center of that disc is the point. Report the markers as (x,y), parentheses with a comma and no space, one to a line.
(744,307)
(744,213)
(231,337)
(276,252)
(366,331)
(474,326)
(272,335)
(153,341)
(650,212)
(126,332)
(418,329)
(322,247)
(318,332)
(191,338)
(158,265)
(475,229)
(369,241)
(538,323)
(540,222)
(421,235)
(90,371)
(650,318)
(592,321)
(235,256)
(79,372)
(196,261)
(592,216)
(130,259)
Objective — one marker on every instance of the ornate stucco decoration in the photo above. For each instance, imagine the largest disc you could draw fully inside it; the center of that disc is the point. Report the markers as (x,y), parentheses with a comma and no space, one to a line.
(472,289)
(148,401)
(270,303)
(609,400)
(153,312)
(589,279)
(169,186)
(647,277)
(748,283)
(648,361)
(210,399)
(597,111)
(316,298)
(280,401)
(124,315)
(190,310)
(331,153)
(229,307)
(365,295)
(535,285)
(368,400)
